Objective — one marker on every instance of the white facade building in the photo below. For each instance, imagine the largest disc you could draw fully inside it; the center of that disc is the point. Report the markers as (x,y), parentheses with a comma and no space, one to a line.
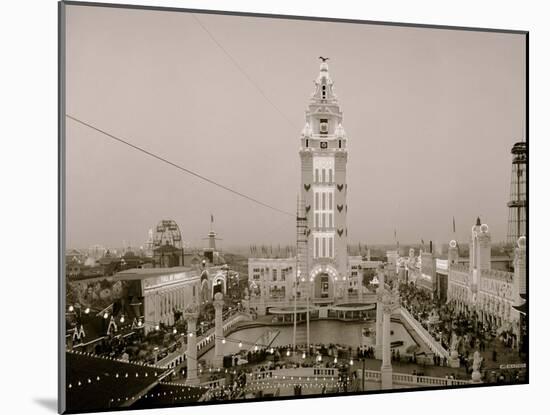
(492,294)
(163,291)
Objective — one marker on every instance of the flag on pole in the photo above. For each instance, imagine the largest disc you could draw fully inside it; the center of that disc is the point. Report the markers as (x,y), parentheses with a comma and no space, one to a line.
(211,218)
(454,226)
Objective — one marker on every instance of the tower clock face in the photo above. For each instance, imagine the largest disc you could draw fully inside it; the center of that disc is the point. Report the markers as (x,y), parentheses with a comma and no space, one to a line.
(324,145)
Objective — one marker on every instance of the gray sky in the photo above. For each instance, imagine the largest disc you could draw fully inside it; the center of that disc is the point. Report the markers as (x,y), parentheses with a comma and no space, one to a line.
(431,116)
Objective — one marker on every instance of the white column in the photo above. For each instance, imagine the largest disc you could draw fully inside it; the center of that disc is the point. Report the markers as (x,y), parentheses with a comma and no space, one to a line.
(379,314)
(191,315)
(386,369)
(379,318)
(218,330)
(157,300)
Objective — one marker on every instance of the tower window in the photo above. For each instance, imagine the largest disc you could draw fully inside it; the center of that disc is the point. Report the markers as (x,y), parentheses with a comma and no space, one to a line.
(339,144)
(324,92)
(323,126)
(307,142)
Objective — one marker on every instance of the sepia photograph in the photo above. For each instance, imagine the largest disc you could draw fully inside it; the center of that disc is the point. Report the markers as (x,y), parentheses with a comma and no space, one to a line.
(261,207)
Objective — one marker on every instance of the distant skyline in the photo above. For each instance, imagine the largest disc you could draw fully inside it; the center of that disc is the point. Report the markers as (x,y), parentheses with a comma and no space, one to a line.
(431,116)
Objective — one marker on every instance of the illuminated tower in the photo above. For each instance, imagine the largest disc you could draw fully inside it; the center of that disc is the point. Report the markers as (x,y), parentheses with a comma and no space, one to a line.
(323,155)
(518,194)
(480,253)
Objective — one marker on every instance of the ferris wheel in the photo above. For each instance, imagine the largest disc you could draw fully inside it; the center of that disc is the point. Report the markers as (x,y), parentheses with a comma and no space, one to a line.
(167,232)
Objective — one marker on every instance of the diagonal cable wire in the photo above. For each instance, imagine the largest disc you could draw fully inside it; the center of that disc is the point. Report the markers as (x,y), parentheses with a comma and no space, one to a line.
(177,166)
(241,69)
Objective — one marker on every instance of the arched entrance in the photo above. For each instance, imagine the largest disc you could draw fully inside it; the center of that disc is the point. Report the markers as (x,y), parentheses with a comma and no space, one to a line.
(323,280)
(218,284)
(204,292)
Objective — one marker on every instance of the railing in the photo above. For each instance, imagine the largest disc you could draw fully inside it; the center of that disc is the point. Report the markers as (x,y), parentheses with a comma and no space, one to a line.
(301,374)
(302,302)
(214,384)
(432,343)
(408,379)
(213,387)
(178,356)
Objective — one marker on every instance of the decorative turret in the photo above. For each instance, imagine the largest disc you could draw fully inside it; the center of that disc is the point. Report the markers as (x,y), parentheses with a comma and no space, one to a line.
(340,133)
(307,131)
(453,253)
(480,247)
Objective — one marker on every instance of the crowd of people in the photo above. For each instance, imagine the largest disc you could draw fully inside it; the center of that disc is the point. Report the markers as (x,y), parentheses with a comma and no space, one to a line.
(457,329)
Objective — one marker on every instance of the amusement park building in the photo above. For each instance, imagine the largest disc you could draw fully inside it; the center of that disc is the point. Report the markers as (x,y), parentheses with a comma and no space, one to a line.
(491,293)
(162,292)
(322,270)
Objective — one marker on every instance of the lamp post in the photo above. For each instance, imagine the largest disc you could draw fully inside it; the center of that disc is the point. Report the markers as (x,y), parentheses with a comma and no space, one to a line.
(298,273)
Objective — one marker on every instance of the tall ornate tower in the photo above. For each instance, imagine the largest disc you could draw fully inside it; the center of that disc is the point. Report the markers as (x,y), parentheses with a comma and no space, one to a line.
(323,155)
(480,247)
(480,253)
(518,194)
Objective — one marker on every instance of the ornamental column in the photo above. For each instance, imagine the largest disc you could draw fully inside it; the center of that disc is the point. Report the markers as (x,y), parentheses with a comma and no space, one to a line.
(379,315)
(345,284)
(191,315)
(218,330)
(246,303)
(379,319)
(386,369)
(171,308)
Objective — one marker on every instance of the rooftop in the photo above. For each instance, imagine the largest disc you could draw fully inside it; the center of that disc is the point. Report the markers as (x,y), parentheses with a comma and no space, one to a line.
(95,383)
(144,273)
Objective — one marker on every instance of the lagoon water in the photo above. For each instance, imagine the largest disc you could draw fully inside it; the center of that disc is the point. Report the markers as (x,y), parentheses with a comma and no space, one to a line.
(322,331)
